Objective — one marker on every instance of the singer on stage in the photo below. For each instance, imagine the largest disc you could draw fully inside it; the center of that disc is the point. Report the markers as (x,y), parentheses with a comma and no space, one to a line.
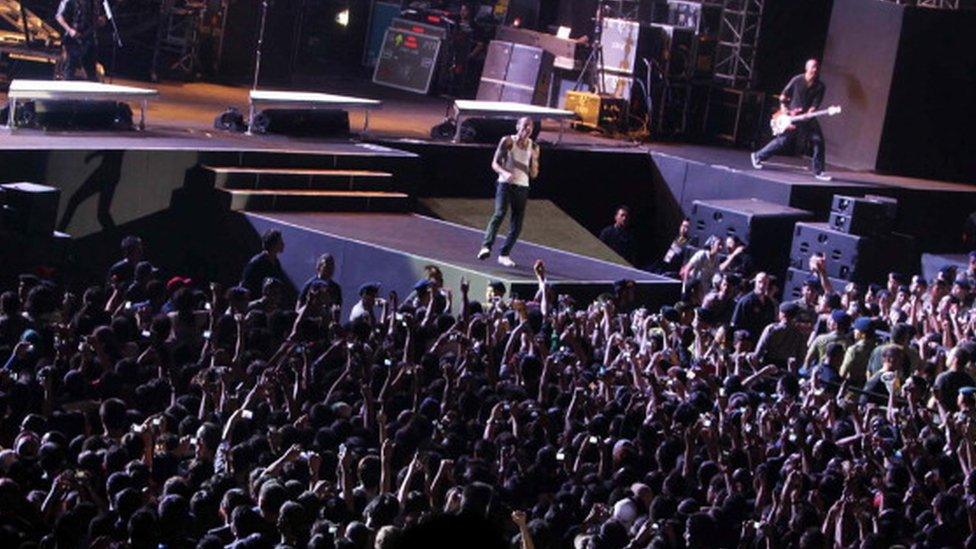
(79,19)
(516,162)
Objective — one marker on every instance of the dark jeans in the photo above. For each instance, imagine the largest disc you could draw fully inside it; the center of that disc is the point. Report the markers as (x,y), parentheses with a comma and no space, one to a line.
(80,55)
(810,131)
(507,195)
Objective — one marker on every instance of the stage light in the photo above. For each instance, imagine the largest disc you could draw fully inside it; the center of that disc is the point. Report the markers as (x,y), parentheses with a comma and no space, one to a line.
(342,18)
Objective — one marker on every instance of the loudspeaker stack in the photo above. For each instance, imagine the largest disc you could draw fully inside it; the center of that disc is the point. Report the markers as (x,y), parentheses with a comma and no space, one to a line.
(759,224)
(857,243)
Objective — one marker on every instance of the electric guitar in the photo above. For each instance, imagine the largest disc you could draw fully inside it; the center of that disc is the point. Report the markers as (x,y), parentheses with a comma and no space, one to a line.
(783,121)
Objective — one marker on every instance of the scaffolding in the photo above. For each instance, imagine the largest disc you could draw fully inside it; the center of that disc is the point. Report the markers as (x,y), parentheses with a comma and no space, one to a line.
(735,53)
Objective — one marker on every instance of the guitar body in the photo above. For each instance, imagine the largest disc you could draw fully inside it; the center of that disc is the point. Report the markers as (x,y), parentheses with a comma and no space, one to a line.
(783,121)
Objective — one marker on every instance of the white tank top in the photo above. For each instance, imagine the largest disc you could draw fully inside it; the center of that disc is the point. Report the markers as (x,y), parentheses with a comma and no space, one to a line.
(519,160)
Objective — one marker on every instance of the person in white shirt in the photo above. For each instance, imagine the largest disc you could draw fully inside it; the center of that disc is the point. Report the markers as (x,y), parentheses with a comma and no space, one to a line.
(516,162)
(366,306)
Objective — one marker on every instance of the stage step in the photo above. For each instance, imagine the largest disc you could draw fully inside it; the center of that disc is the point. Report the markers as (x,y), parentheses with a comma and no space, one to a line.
(317,200)
(235,177)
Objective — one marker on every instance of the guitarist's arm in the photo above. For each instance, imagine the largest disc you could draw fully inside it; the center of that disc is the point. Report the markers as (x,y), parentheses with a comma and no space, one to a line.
(786,95)
(815,105)
(64,22)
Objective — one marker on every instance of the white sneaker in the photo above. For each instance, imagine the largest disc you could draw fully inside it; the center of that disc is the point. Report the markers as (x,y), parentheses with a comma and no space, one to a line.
(756,163)
(484,253)
(505,261)
(822,177)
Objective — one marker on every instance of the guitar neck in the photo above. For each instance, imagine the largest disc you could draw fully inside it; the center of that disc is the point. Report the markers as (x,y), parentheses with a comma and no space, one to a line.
(808,116)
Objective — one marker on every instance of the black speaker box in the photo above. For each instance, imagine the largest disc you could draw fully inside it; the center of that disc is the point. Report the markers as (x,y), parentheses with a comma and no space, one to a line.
(496,60)
(515,72)
(854,257)
(527,65)
(848,255)
(303,122)
(81,115)
(863,216)
(863,225)
(29,208)
(764,226)
(490,130)
(674,49)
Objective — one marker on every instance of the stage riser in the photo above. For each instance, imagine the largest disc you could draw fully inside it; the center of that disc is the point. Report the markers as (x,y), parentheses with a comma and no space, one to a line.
(282,203)
(689,181)
(404,169)
(933,216)
(317,182)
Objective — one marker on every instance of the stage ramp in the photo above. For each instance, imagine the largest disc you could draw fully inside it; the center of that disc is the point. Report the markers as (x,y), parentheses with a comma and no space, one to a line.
(545,223)
(393,248)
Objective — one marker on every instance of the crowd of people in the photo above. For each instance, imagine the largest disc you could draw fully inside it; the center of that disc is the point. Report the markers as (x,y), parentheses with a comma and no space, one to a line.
(158,411)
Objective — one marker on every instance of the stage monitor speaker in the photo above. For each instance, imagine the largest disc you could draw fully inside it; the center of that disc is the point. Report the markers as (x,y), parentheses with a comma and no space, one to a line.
(29,208)
(303,122)
(77,115)
(490,130)
(763,226)
(497,58)
(527,65)
(490,91)
(854,257)
(517,73)
(863,216)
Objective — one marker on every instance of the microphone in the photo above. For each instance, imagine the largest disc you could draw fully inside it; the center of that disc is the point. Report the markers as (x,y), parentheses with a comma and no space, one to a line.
(108,9)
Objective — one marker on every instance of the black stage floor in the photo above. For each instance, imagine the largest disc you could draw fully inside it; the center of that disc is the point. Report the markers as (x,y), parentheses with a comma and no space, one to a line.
(796,171)
(183,119)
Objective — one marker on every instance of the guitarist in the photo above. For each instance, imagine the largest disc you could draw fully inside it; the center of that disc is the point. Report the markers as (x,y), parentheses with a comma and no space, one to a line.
(79,19)
(802,95)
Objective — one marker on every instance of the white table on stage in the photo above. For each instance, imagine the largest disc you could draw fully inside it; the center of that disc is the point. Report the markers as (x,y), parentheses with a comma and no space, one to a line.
(310,100)
(467,108)
(76,90)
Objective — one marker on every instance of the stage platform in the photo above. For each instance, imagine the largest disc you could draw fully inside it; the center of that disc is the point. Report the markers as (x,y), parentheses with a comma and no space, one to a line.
(393,249)
(932,211)
(586,176)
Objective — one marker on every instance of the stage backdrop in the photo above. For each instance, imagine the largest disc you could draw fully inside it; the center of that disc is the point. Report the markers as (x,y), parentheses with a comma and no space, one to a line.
(906,78)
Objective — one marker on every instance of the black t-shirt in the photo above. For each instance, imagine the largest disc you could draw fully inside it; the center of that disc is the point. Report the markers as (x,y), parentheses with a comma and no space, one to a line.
(261,266)
(803,95)
(620,240)
(948,385)
(754,313)
(332,288)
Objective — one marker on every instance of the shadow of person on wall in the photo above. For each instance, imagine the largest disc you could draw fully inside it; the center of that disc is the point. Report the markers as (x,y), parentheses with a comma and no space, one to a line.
(102,181)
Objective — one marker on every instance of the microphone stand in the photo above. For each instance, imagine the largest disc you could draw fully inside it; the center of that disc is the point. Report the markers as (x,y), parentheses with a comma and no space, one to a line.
(257,62)
(116,38)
